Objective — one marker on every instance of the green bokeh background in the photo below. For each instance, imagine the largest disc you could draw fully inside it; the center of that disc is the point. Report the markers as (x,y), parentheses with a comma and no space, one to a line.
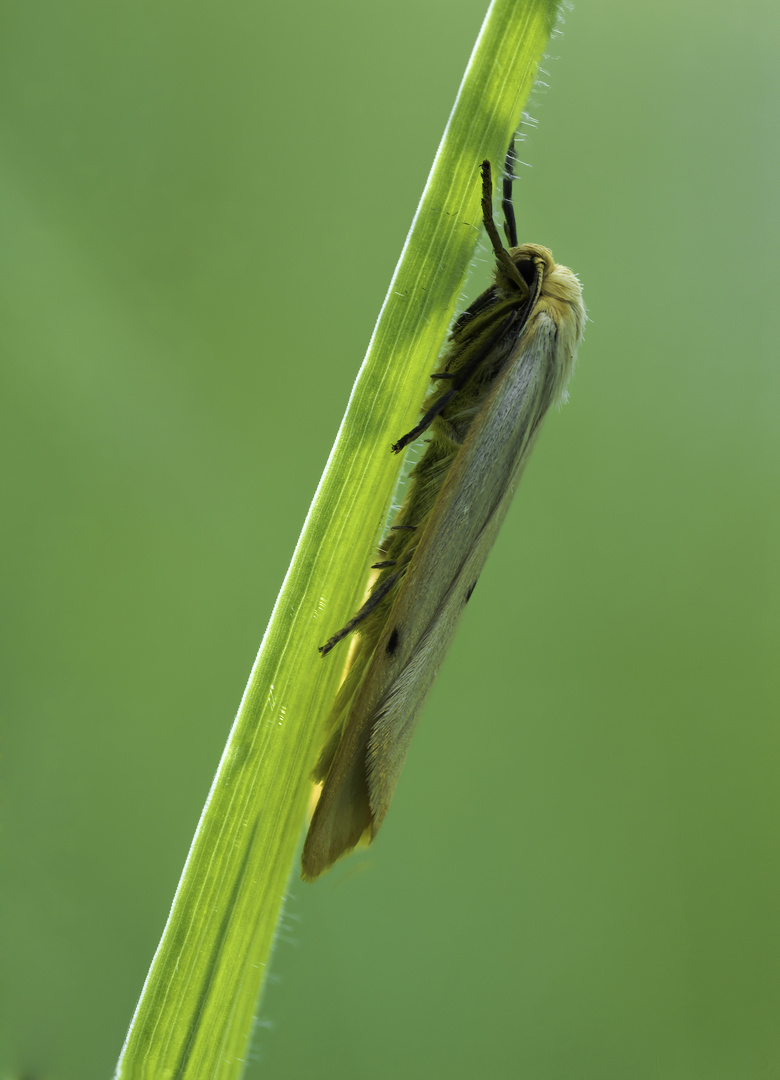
(202,206)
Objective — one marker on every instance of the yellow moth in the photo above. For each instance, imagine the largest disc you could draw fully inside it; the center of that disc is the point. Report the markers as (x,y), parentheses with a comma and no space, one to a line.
(508,359)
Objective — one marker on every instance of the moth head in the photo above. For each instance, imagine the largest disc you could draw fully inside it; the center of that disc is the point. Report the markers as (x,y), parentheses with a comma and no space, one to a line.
(544,277)
(555,296)
(532,264)
(559,287)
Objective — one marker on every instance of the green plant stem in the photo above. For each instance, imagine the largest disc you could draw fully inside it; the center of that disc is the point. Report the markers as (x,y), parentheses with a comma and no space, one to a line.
(195,1015)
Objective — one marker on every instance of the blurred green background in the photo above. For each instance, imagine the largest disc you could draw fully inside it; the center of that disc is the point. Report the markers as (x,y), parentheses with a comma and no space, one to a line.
(202,206)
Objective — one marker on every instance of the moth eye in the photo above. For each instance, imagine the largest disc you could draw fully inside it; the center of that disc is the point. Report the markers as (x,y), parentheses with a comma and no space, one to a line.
(527,271)
(392,643)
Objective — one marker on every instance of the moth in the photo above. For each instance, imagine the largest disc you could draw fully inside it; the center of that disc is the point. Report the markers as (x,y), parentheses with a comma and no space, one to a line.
(509,358)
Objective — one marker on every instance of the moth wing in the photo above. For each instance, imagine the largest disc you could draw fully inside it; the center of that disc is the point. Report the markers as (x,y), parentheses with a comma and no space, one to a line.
(453,547)
(339,713)
(458,537)
(342,816)
(368,760)
(396,718)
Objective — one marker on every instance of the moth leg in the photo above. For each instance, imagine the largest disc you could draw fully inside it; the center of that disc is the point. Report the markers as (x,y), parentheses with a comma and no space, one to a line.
(459,381)
(380,590)
(427,420)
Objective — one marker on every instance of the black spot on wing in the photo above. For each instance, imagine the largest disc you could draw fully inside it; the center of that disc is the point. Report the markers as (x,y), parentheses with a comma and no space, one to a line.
(470,591)
(392,642)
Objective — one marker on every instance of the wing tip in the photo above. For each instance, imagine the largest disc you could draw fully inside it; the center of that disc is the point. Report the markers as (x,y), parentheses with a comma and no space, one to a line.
(327,841)
(342,819)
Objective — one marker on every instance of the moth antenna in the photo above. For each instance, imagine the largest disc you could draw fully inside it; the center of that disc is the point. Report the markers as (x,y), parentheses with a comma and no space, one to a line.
(510,225)
(502,255)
